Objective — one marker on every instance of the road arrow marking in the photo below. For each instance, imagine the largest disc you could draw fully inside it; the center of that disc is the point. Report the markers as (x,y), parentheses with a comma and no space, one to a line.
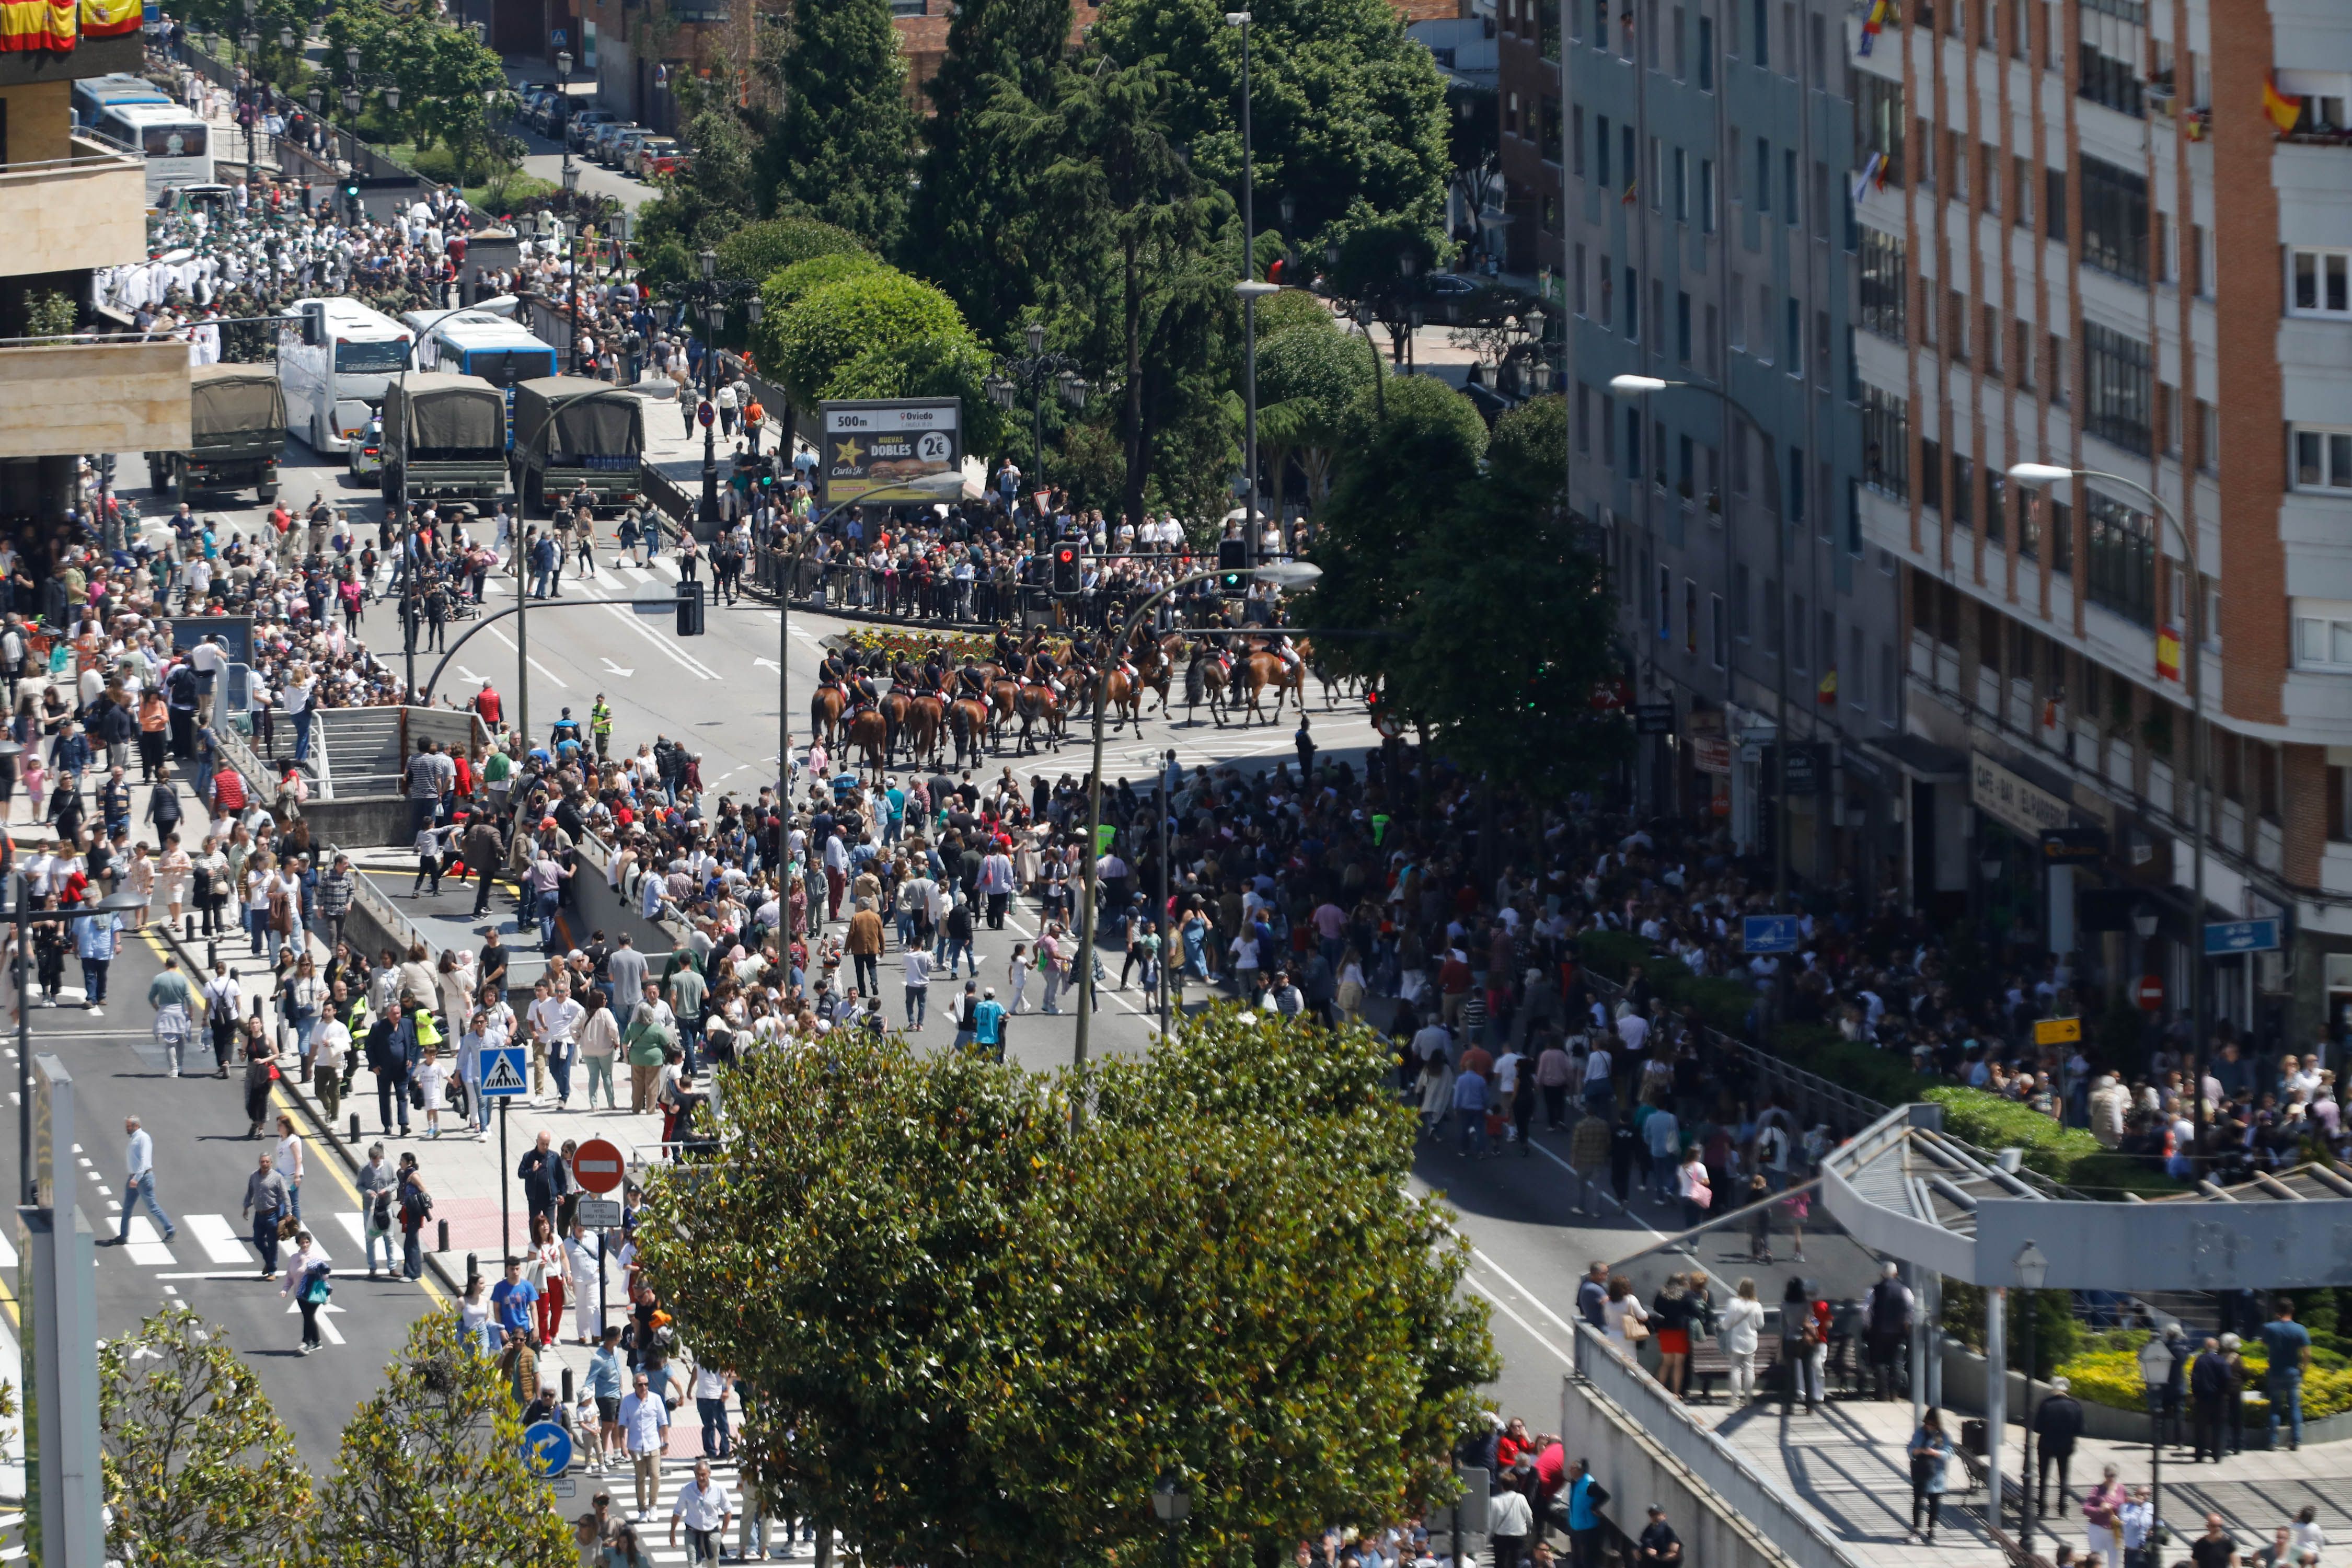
(465,674)
(617,669)
(768,662)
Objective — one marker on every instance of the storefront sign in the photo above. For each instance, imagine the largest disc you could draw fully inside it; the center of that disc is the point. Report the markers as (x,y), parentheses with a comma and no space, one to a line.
(2013,802)
(1710,753)
(884,446)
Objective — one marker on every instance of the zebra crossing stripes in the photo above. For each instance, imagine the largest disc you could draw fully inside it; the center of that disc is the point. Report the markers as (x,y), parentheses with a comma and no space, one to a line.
(654,1534)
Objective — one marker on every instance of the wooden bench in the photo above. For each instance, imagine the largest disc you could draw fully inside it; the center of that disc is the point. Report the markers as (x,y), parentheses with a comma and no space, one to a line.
(1710,1366)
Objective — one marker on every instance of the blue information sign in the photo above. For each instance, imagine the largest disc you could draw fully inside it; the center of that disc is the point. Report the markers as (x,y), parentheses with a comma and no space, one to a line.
(2225,937)
(502,1073)
(1769,933)
(546,1449)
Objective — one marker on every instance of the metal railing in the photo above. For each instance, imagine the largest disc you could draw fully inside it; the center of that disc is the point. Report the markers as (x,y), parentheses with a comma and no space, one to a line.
(1746,1492)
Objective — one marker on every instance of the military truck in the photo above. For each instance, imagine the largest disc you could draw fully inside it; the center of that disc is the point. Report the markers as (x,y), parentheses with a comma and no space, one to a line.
(444,437)
(237,433)
(570,431)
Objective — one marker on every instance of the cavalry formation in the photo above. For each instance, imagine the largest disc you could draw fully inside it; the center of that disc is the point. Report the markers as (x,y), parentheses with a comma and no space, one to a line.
(1029,691)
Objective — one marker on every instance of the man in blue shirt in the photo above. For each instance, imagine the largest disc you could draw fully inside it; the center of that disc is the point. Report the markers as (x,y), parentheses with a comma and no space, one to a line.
(988,1024)
(511,1299)
(2289,1344)
(1585,1498)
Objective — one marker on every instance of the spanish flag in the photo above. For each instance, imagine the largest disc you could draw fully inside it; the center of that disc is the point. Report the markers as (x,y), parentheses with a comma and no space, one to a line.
(2167,653)
(28,25)
(109,19)
(2284,110)
(1826,693)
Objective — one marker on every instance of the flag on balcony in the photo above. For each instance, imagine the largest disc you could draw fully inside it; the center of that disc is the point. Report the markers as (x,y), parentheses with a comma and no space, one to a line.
(2283,109)
(26,26)
(2167,653)
(109,19)
(1871,23)
(1873,177)
(1826,693)
(1633,190)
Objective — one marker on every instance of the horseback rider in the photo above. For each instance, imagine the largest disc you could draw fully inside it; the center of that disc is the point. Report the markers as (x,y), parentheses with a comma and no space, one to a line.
(970,681)
(1005,651)
(861,689)
(833,670)
(1278,645)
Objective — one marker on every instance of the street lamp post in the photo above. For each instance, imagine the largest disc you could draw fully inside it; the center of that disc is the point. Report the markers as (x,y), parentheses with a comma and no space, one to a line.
(1034,373)
(2032,1268)
(1281,574)
(1173,1505)
(2156,1376)
(564,121)
(2040,475)
(1251,292)
(1643,385)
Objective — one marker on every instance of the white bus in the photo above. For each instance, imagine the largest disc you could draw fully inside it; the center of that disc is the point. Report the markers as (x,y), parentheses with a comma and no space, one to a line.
(176,144)
(481,342)
(332,390)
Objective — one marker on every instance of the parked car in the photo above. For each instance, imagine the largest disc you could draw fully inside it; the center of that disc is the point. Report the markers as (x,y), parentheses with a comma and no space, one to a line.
(366,459)
(655,155)
(625,145)
(584,124)
(606,140)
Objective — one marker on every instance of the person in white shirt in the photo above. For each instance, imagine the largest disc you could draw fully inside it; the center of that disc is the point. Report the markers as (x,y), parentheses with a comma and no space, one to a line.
(706,1510)
(918,985)
(139,1181)
(289,1162)
(644,1423)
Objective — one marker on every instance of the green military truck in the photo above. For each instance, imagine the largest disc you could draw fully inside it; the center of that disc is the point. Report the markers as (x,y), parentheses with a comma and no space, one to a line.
(444,437)
(570,431)
(237,433)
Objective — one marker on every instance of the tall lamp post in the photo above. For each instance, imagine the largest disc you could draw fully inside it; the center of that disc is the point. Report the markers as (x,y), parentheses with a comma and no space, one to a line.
(2042,475)
(1033,374)
(563,120)
(1281,574)
(708,298)
(2156,1375)
(2032,1268)
(1250,291)
(1173,1505)
(1642,387)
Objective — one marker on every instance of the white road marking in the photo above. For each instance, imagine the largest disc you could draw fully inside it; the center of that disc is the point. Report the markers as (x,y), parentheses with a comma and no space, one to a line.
(146,1246)
(534,663)
(217,1238)
(689,662)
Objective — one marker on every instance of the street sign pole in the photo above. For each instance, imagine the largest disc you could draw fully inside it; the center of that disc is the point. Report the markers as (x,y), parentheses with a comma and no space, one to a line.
(506,1189)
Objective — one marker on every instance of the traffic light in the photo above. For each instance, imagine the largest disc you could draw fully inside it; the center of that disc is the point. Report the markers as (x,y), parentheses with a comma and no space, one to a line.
(314,325)
(1066,569)
(689,609)
(1232,563)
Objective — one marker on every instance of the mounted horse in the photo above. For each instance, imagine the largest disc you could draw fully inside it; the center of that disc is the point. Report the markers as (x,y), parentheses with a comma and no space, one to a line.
(1208,677)
(1265,667)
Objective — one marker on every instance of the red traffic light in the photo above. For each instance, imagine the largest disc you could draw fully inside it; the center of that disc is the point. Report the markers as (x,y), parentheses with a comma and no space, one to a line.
(1068,556)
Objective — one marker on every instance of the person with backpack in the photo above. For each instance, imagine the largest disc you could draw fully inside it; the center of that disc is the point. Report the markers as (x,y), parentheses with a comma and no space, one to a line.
(378,1186)
(416,1209)
(307,1280)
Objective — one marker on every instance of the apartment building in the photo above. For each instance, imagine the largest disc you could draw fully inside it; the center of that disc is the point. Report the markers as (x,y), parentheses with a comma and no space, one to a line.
(1679,173)
(70,206)
(2113,236)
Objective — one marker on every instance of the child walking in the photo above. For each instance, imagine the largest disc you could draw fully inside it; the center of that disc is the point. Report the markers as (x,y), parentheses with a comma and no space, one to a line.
(432,1079)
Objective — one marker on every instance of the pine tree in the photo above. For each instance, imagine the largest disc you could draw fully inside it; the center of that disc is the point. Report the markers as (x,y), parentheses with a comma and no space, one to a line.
(974,224)
(842,149)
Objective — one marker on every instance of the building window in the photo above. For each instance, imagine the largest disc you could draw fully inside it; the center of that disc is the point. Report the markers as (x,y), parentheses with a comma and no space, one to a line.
(1576,145)
(2116,388)
(1793,333)
(1608,316)
(2323,637)
(1886,442)
(1632,305)
(1763,175)
(1682,187)
(2319,282)
(1931,475)
(2053,201)
(1853,678)
(1583,418)
(1600,149)
(1683,327)
(1760,35)
(1690,616)
(1878,127)
(1666,604)
(1633,443)
(1788,186)
(2122,545)
(1964,491)
(1675,43)
(1885,282)
(2323,460)
(2109,80)
(1721,645)
(1707,54)
(2115,220)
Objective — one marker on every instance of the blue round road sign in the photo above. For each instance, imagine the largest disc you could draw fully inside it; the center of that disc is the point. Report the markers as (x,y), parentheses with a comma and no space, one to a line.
(546,1449)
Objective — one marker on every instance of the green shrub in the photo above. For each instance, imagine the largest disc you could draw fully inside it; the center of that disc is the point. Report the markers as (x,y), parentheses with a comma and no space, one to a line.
(2106,1372)
(758,251)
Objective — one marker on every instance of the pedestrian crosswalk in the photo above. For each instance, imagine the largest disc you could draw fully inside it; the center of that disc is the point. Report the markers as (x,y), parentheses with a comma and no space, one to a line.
(617,575)
(618,1479)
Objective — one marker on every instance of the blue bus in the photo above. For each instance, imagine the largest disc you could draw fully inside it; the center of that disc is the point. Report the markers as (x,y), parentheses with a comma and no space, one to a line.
(481,342)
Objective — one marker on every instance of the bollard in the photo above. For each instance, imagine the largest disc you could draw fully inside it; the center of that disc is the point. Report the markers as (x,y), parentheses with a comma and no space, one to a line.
(567,1388)
(355,1139)
(191,920)
(212,955)
(473,1269)
(444,1246)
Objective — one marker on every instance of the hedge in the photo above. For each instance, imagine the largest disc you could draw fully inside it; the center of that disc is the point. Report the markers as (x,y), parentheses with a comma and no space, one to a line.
(2107,1373)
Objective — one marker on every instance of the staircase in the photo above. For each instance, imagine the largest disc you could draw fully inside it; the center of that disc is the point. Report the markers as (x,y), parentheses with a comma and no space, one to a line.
(362,750)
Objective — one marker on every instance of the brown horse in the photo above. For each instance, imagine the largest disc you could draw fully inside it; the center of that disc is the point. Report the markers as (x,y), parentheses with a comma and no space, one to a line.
(1121,695)
(825,706)
(1205,680)
(1155,662)
(1262,670)
(968,719)
(1037,701)
(869,732)
(893,707)
(925,719)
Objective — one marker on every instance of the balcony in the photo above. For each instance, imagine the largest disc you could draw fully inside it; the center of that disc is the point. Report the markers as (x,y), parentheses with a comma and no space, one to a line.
(116,395)
(72,214)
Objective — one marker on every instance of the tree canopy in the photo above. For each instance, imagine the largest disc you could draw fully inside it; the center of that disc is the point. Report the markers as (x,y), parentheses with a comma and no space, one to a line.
(975,226)
(827,328)
(842,147)
(980,1331)
(756,252)
(1345,108)
(1422,541)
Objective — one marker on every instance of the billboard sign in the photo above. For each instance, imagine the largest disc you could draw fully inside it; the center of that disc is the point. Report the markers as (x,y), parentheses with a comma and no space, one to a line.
(881,444)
